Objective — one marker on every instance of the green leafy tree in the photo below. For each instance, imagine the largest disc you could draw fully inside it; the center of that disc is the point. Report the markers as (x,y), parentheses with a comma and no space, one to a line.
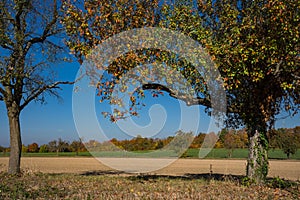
(28,49)
(24,149)
(255,45)
(43,149)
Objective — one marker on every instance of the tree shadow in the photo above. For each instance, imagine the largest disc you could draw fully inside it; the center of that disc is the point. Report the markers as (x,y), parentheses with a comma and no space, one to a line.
(149,176)
(274,182)
(102,172)
(204,176)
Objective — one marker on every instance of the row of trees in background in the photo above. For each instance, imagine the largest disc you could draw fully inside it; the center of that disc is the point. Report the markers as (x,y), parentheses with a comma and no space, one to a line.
(55,146)
(286,139)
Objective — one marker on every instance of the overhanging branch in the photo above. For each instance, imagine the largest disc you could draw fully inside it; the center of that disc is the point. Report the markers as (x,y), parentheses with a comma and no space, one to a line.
(2,91)
(190,101)
(175,94)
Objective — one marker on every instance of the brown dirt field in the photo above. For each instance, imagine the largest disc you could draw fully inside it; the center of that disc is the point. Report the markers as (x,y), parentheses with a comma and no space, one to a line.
(283,168)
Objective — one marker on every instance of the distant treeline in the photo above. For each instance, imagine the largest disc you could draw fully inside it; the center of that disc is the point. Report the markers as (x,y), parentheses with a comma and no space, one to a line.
(287,139)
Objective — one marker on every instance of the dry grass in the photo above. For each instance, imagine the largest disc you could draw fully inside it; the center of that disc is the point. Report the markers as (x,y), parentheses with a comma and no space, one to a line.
(86,178)
(75,186)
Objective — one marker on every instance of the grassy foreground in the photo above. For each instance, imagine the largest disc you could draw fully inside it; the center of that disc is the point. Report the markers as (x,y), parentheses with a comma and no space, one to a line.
(103,186)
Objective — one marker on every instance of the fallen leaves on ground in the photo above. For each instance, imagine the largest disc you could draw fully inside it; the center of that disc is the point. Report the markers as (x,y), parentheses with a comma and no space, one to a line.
(75,186)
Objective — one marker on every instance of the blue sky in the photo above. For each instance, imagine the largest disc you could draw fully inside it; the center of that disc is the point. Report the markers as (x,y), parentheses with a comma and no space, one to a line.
(43,123)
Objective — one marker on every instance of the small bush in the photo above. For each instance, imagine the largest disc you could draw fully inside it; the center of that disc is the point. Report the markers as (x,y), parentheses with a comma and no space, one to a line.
(247,181)
(277,182)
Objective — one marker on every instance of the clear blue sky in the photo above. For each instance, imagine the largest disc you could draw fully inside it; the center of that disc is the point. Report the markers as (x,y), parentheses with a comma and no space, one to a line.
(43,123)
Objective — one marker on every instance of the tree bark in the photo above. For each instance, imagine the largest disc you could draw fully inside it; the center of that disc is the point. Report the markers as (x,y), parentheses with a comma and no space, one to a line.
(257,166)
(15,140)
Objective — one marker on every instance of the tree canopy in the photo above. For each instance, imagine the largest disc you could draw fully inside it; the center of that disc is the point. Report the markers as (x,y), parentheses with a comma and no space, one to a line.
(255,45)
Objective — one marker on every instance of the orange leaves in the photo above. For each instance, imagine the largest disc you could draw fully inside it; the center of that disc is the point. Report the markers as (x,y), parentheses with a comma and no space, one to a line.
(132,99)
(102,19)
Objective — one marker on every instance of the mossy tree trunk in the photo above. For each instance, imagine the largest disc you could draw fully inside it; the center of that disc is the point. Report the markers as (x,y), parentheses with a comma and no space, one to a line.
(257,166)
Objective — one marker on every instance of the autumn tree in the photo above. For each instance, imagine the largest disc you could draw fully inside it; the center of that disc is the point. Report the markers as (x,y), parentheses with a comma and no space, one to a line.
(62,145)
(28,52)
(77,146)
(100,20)
(198,140)
(255,45)
(33,148)
(233,140)
(52,146)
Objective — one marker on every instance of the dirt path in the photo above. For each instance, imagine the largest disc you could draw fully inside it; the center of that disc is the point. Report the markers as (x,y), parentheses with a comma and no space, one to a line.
(284,169)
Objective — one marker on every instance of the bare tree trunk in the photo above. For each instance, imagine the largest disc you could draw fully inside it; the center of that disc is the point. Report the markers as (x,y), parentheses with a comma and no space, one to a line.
(257,166)
(15,140)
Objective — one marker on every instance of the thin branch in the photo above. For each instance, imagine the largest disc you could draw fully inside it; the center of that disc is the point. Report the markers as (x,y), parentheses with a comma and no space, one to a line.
(47,31)
(55,45)
(4,46)
(295,76)
(39,91)
(3,94)
(2,91)
(32,69)
(276,73)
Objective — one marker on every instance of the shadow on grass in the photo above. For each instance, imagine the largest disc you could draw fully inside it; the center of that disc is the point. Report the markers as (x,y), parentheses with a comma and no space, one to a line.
(102,172)
(204,177)
(146,176)
(274,182)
